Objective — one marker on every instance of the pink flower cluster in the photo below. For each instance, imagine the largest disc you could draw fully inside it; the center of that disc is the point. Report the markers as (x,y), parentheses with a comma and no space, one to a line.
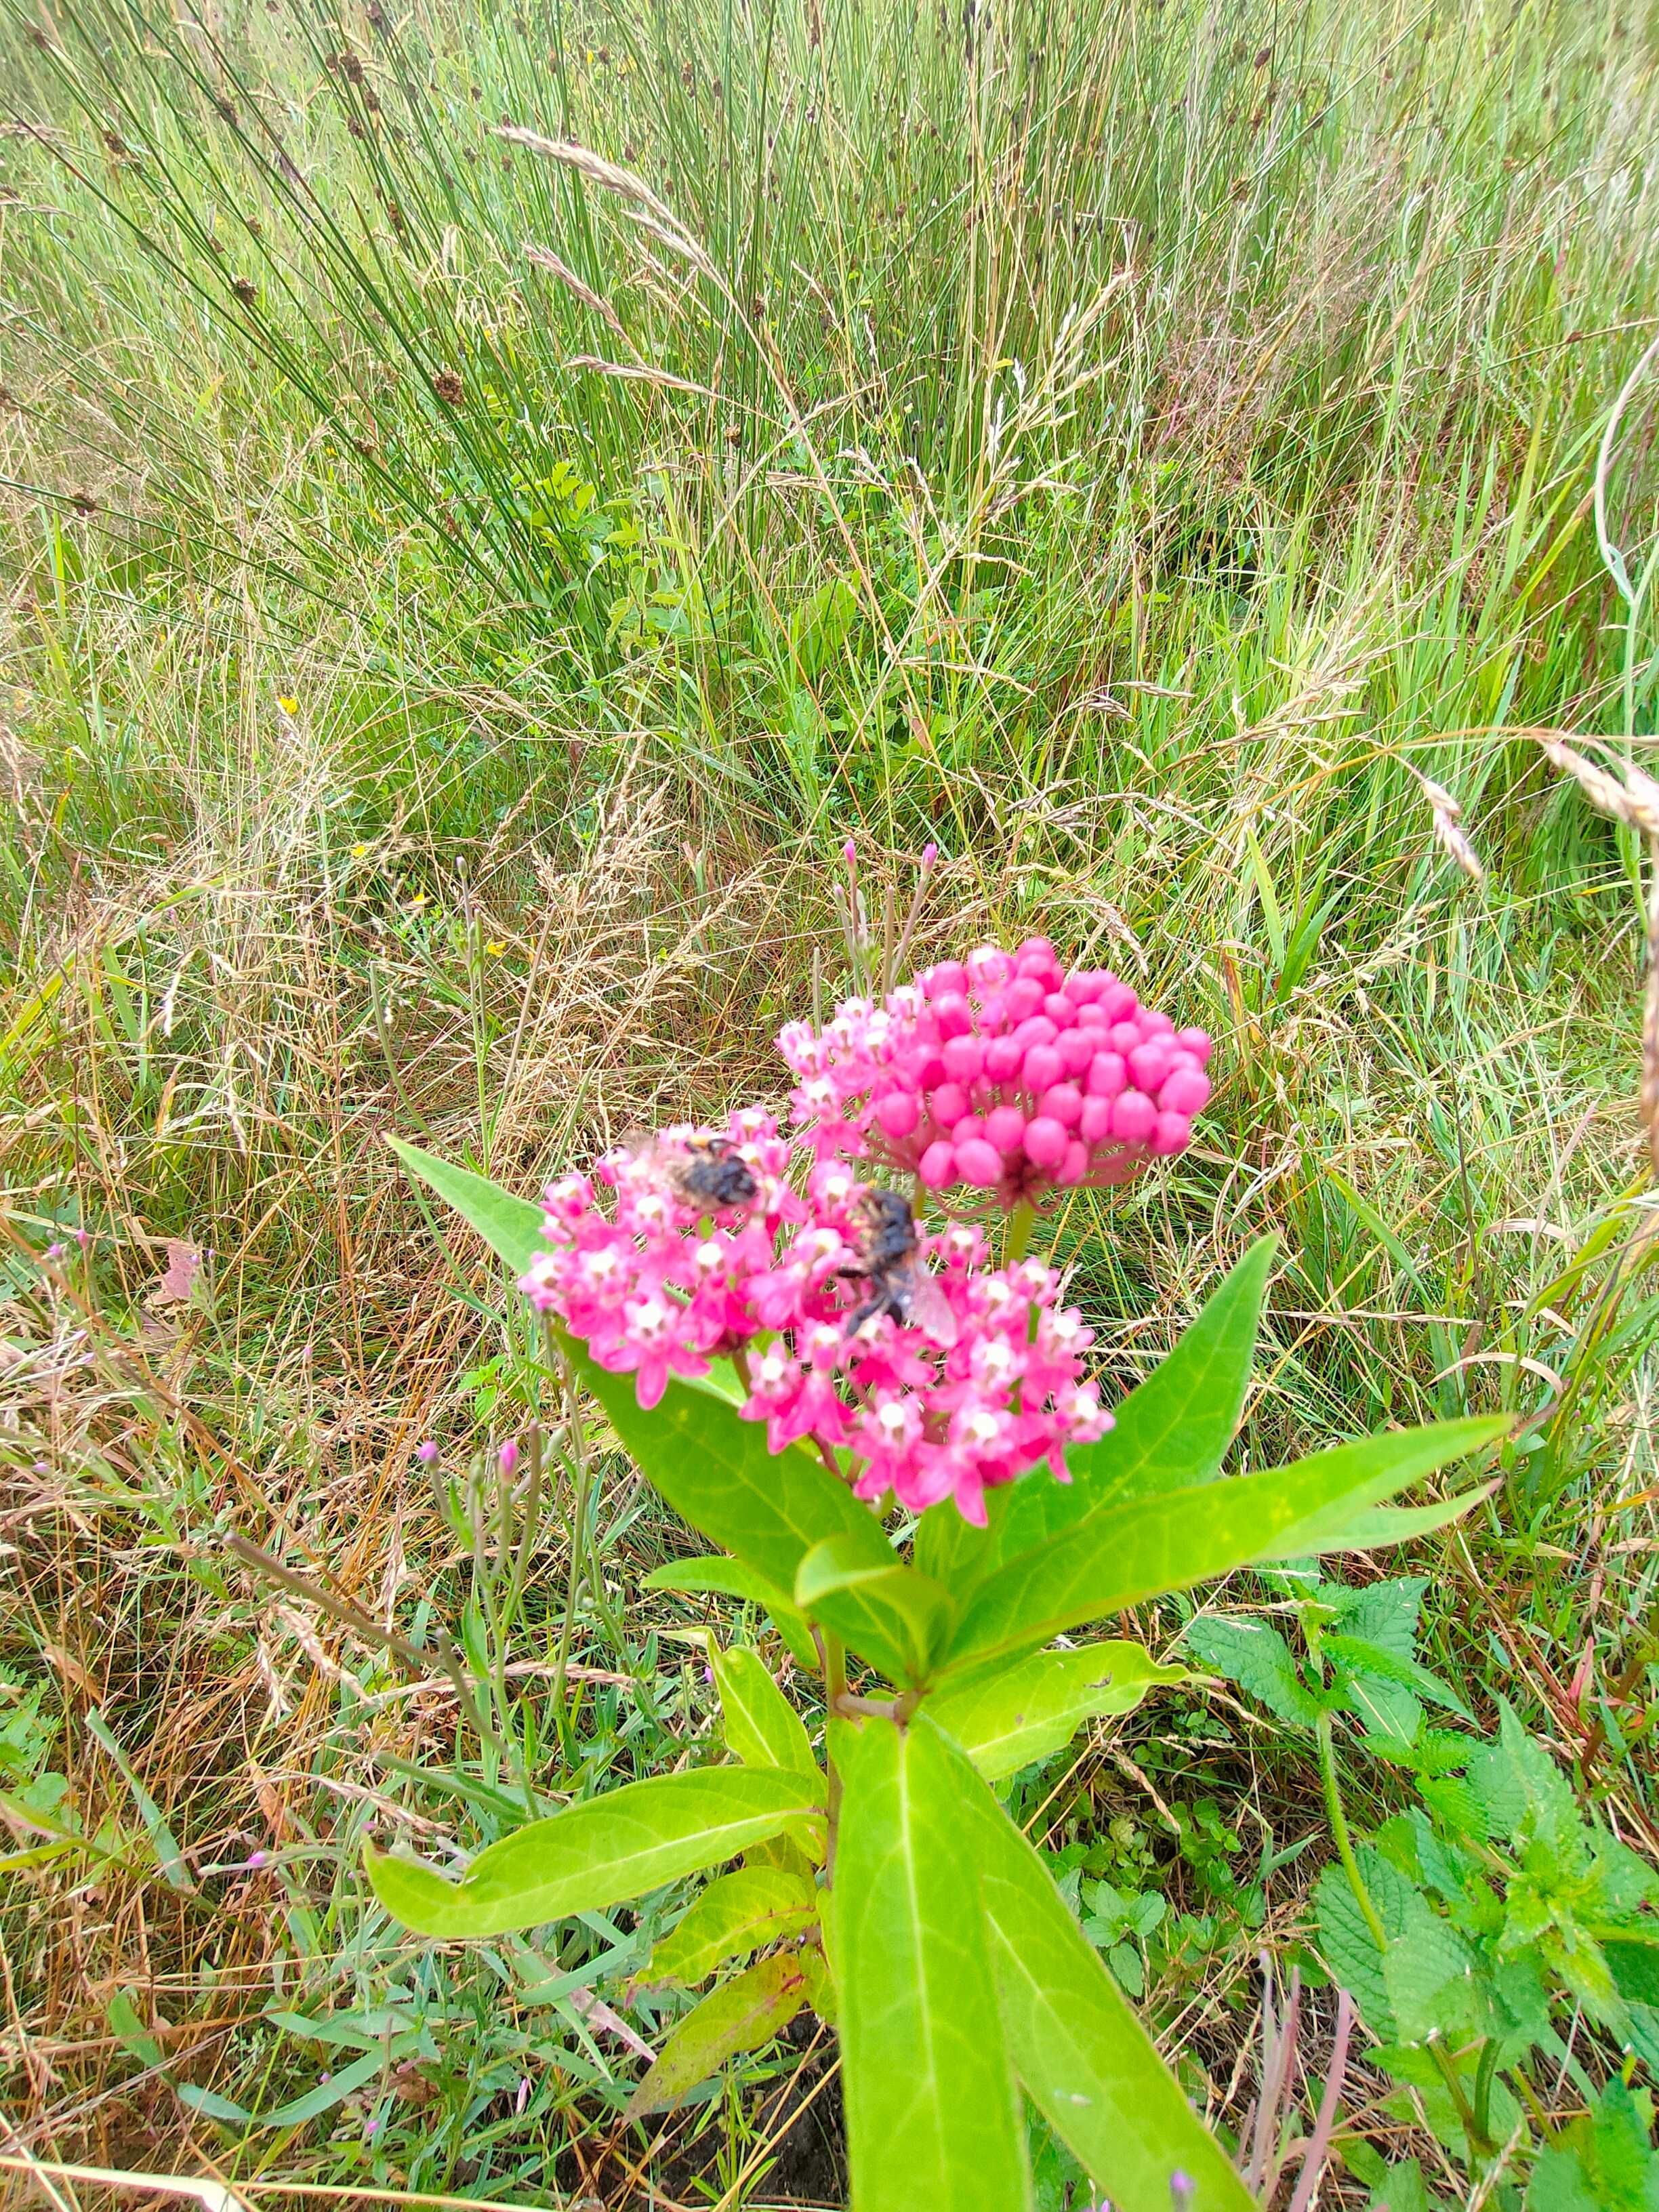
(933,1381)
(1001,1071)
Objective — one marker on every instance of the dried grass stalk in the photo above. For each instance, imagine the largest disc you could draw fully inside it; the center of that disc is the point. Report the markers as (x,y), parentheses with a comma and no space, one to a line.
(594,167)
(1632,797)
(1449,832)
(545,258)
(639,372)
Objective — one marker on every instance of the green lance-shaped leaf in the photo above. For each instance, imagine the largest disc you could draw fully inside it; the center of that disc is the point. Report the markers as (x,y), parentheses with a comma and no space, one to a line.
(1380,1525)
(511,1226)
(1172,1431)
(713,1467)
(762,1727)
(598,1853)
(737,1915)
(1129,1552)
(733,1577)
(1082,2056)
(932,2113)
(740,2015)
(890,1614)
(1007,1718)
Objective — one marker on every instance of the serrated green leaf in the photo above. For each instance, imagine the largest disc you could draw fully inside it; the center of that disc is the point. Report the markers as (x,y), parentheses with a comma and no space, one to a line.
(598,1853)
(718,1572)
(740,1913)
(740,2015)
(892,1615)
(1384,1614)
(1431,1975)
(1081,2055)
(1172,1431)
(1365,1657)
(1257,1658)
(1605,2162)
(1402,2189)
(1634,1962)
(1642,2035)
(1350,1951)
(762,1727)
(934,2117)
(1129,1552)
(1008,1718)
(1391,1717)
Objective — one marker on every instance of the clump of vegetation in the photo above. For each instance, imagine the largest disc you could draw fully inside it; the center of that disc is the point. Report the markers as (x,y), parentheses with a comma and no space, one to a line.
(463,590)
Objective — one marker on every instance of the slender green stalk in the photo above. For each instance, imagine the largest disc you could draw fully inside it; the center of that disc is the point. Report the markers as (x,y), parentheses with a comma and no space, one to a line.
(1339,1820)
(833,1661)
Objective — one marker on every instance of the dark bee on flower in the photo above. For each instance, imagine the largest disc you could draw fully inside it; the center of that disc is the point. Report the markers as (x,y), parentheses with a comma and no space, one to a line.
(702,1168)
(711,1174)
(887,1262)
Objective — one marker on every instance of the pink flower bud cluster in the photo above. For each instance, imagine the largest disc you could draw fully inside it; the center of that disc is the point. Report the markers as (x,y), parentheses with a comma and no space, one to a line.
(1003,1073)
(933,1381)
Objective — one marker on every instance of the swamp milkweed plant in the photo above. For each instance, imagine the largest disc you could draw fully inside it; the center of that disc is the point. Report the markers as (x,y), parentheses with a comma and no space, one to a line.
(887,1427)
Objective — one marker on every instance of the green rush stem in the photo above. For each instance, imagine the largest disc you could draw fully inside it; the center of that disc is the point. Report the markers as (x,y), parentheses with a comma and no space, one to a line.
(508,1604)
(573,1579)
(1339,1820)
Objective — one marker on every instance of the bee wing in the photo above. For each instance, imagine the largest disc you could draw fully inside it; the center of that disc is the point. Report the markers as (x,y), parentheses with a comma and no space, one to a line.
(930,1309)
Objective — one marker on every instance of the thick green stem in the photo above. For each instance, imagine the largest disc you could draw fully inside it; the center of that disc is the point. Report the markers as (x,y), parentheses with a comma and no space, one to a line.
(1019,1233)
(1479,2146)
(834,1659)
(1485,2074)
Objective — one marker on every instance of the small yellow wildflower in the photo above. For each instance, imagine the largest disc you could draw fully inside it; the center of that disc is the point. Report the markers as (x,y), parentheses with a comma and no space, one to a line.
(496,947)
(289,705)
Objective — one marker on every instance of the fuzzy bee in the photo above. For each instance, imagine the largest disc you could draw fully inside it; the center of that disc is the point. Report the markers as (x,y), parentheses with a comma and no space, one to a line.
(704,1170)
(886,1262)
